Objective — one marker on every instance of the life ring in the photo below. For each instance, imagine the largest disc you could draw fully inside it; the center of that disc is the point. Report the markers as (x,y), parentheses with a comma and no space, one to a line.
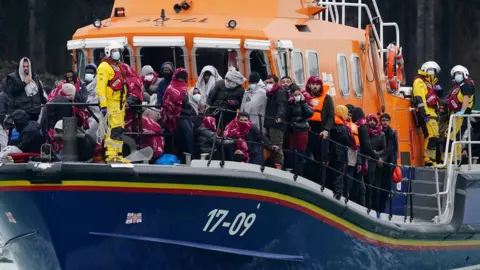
(395,68)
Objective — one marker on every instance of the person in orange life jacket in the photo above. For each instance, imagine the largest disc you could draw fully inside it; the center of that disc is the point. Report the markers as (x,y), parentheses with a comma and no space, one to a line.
(426,101)
(275,114)
(342,139)
(320,123)
(460,101)
(298,113)
(377,141)
(353,178)
(112,95)
(391,155)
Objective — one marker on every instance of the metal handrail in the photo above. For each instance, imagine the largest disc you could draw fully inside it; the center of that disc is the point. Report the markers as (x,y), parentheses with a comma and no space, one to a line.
(361,5)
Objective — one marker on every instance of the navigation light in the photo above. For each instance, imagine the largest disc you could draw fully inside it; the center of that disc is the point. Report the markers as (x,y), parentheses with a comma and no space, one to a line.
(97,23)
(231,24)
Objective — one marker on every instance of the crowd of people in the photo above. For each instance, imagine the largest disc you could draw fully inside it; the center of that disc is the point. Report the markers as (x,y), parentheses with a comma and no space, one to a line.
(273,122)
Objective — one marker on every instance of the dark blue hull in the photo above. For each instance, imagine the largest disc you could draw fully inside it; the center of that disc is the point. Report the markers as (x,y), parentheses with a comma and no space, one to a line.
(83,226)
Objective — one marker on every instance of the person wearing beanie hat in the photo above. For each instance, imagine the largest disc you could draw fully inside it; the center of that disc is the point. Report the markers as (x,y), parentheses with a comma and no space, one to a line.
(166,72)
(68,90)
(147,70)
(30,138)
(150,80)
(337,153)
(254,101)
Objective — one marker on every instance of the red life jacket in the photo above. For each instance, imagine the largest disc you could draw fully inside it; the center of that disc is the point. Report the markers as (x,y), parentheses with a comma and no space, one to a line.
(431,98)
(119,80)
(452,101)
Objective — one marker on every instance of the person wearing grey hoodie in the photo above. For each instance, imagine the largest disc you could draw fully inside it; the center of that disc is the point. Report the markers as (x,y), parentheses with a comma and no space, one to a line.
(254,100)
(92,98)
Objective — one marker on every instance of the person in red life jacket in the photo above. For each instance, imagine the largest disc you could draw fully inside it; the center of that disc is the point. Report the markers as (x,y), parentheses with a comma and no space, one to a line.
(460,101)
(298,113)
(238,129)
(71,77)
(275,115)
(173,99)
(391,155)
(426,101)
(354,166)
(112,90)
(375,172)
(320,123)
(341,140)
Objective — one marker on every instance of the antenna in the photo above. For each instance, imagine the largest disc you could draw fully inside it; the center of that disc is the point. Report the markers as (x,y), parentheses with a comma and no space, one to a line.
(162,15)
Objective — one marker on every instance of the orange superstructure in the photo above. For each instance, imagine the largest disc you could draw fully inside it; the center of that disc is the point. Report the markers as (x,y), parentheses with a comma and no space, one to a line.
(287,34)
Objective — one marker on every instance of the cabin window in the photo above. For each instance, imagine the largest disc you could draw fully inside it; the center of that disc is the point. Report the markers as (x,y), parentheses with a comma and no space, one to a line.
(221,59)
(298,69)
(312,63)
(357,76)
(343,80)
(281,62)
(81,63)
(156,56)
(258,61)
(99,54)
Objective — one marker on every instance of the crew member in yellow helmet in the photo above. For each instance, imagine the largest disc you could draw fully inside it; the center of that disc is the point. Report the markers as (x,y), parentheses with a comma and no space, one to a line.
(426,102)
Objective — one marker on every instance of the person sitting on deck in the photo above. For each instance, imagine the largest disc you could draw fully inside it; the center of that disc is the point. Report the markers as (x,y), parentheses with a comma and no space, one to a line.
(207,141)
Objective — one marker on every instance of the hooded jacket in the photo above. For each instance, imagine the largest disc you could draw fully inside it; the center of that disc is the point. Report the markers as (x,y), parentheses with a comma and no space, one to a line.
(163,84)
(206,87)
(254,103)
(358,116)
(205,135)
(25,97)
(30,136)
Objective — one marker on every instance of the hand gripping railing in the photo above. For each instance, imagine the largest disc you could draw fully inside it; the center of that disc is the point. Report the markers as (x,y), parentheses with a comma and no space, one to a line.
(371,18)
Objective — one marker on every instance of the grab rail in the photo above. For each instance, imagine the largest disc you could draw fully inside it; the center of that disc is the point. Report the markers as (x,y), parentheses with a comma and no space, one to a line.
(360,5)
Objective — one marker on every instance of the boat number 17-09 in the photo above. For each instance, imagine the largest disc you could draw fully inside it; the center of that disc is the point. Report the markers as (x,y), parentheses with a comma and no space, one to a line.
(241,223)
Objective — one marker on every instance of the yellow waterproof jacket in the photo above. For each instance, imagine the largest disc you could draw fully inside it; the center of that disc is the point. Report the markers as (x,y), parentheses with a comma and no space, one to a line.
(420,91)
(105,74)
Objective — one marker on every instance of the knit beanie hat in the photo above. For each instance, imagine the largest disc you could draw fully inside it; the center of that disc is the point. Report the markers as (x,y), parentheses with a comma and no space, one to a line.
(147,70)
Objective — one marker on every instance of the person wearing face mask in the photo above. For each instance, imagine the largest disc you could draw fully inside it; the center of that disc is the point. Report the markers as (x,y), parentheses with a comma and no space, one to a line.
(321,122)
(254,100)
(112,90)
(460,101)
(150,80)
(426,101)
(90,79)
(227,94)
(275,114)
(166,70)
(297,115)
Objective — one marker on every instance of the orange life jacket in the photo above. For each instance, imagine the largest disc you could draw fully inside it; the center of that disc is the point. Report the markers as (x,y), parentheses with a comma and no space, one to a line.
(339,121)
(452,100)
(318,107)
(431,98)
(119,80)
(354,129)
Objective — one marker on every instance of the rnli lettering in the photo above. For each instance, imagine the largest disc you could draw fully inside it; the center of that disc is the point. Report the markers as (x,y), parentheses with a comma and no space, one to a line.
(189,20)
(242,222)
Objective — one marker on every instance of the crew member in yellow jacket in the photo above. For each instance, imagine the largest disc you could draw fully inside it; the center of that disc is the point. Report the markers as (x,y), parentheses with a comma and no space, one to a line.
(112,94)
(427,101)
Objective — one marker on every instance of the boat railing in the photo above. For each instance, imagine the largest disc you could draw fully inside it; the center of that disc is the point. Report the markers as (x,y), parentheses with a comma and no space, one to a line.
(218,113)
(462,138)
(332,14)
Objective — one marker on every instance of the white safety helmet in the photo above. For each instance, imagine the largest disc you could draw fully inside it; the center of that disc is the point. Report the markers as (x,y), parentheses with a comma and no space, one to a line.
(459,68)
(431,65)
(111,46)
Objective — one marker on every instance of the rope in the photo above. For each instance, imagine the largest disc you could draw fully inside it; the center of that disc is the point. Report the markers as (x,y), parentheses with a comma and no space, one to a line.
(103,127)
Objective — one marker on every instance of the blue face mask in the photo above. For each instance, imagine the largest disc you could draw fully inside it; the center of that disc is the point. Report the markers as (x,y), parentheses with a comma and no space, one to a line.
(116,56)
(459,78)
(298,98)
